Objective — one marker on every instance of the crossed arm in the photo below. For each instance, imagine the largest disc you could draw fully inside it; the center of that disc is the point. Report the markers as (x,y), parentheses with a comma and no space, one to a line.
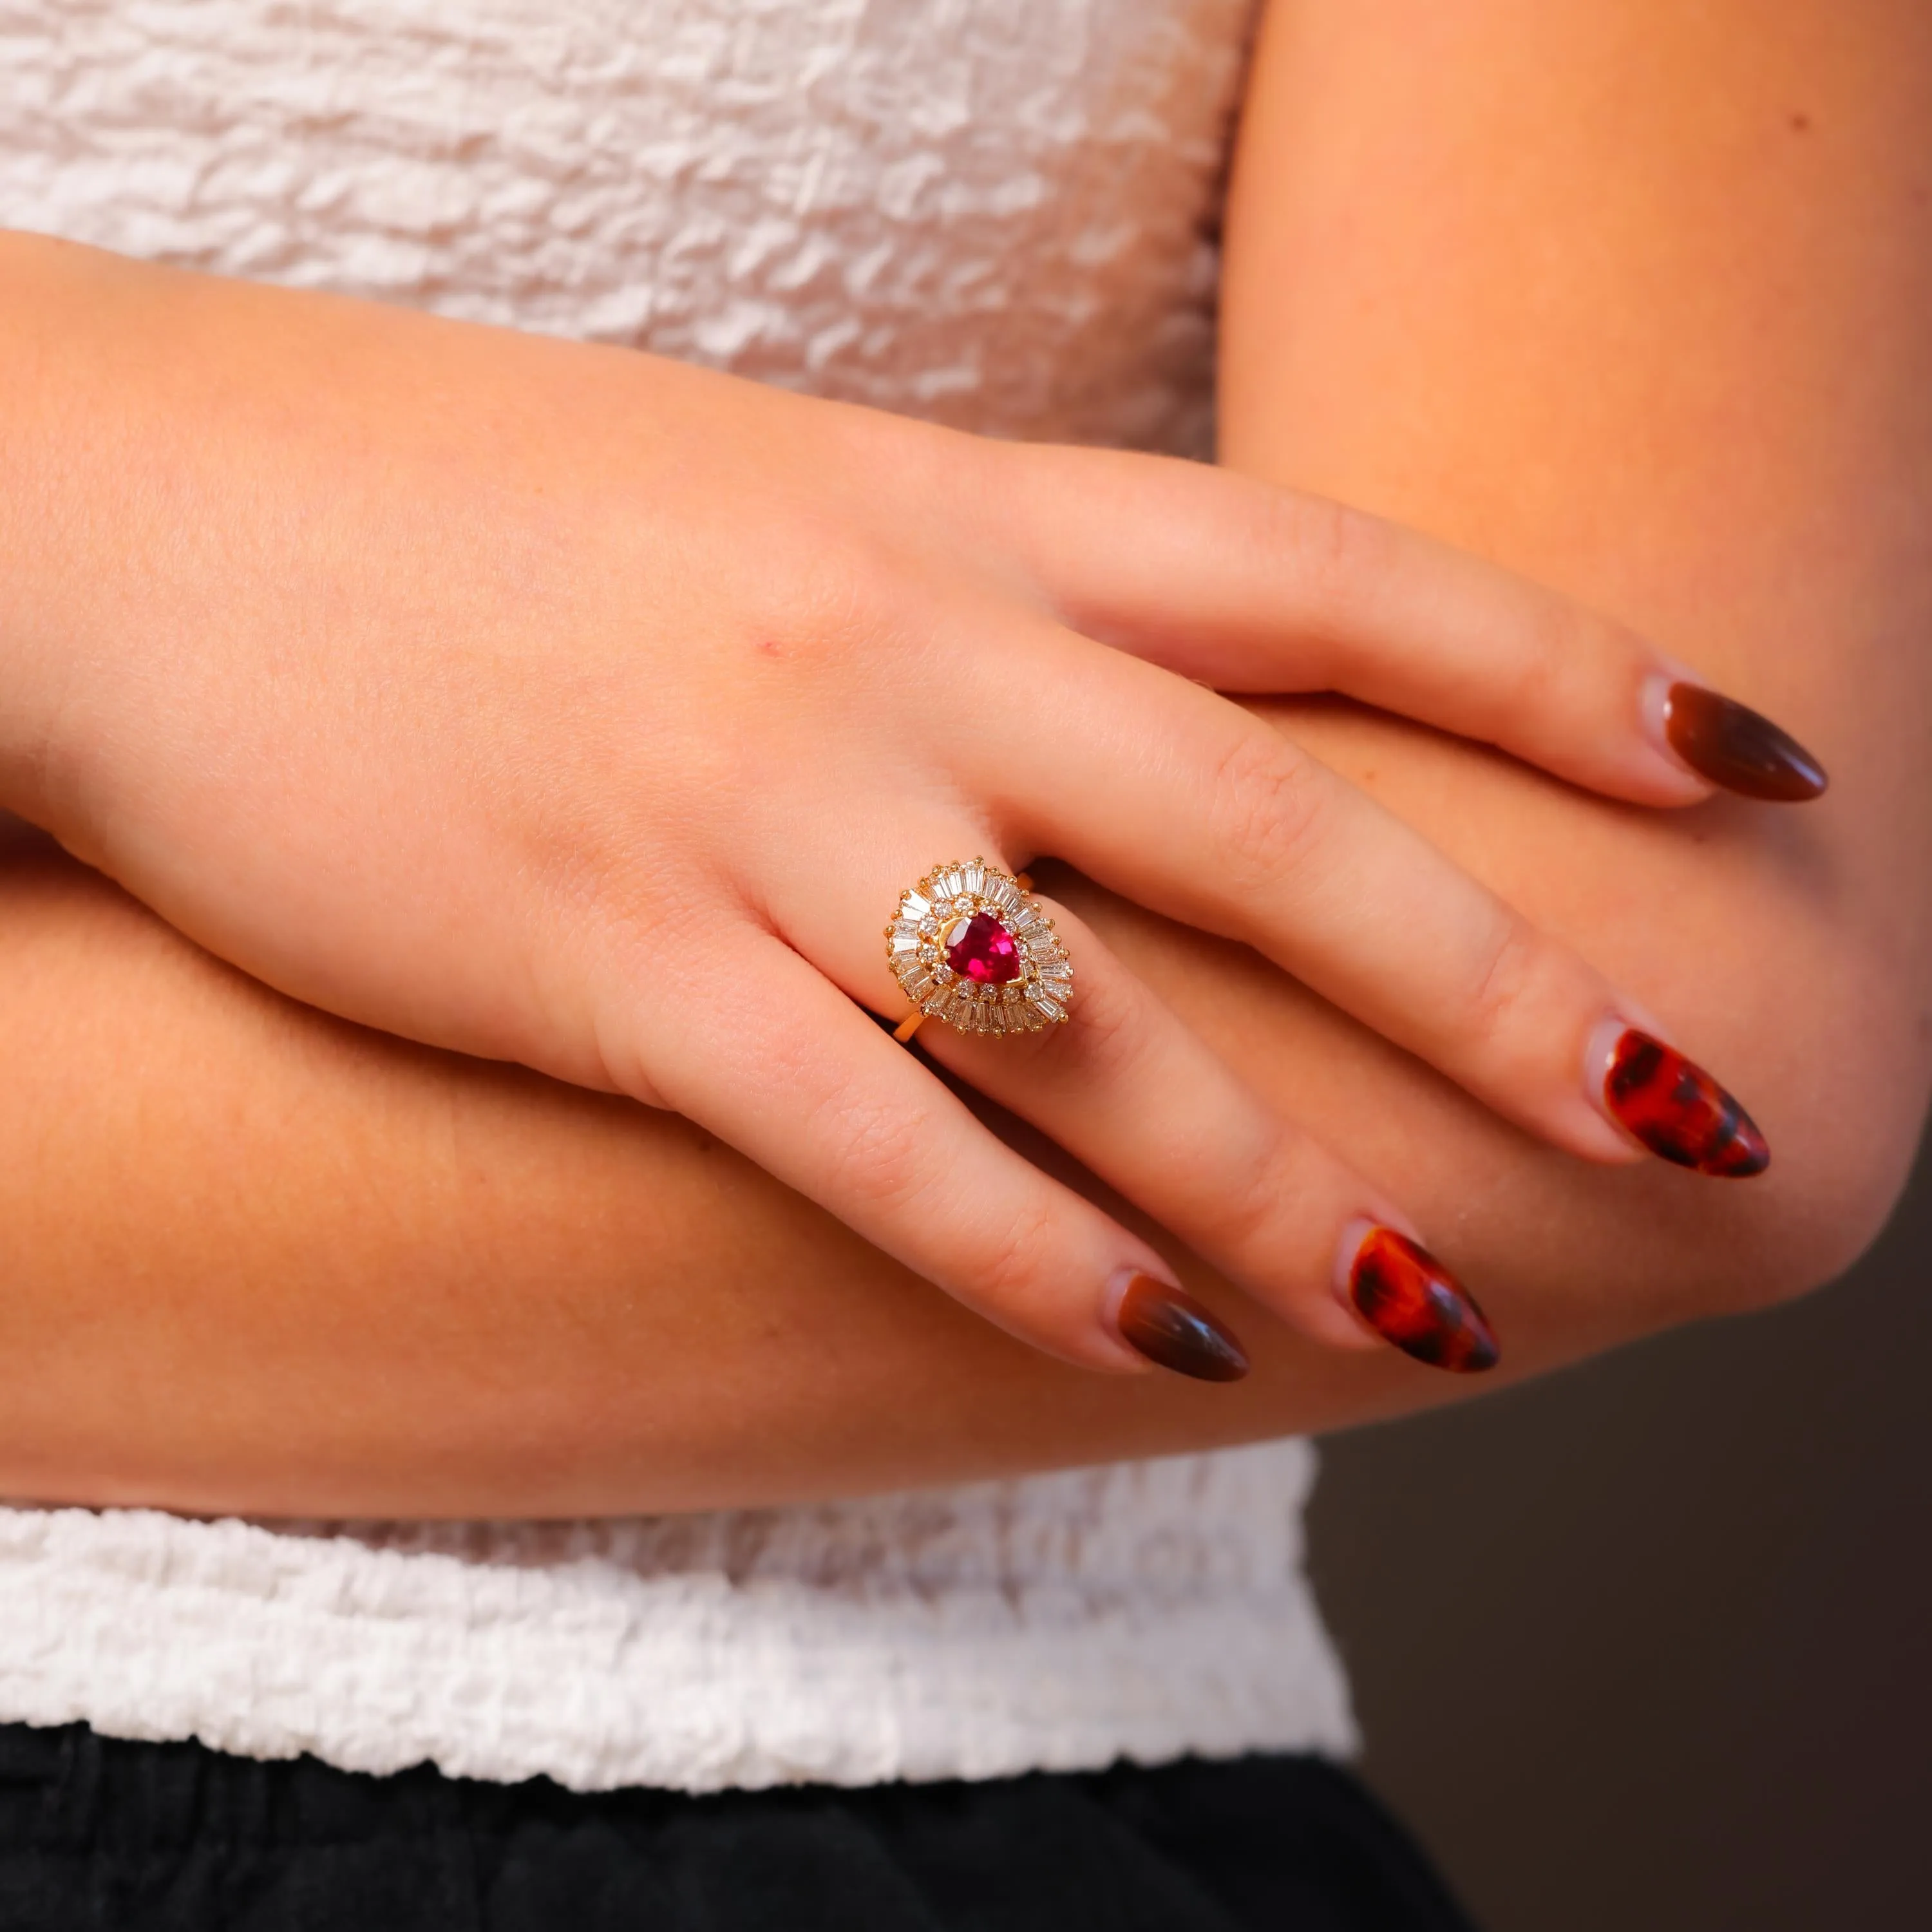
(1634,299)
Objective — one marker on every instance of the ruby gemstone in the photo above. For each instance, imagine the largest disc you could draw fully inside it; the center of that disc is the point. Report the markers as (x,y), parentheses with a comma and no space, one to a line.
(983,950)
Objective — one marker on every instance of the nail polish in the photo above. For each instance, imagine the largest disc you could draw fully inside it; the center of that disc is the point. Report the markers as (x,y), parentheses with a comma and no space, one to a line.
(1678,1111)
(1737,747)
(1173,1329)
(1410,1299)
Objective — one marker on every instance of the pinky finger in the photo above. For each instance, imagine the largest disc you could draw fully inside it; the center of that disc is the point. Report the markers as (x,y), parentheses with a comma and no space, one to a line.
(791,1073)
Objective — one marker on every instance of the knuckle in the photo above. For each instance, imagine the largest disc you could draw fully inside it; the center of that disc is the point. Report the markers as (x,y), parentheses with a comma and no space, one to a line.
(1253,1190)
(833,588)
(1022,479)
(1530,689)
(836,602)
(1514,967)
(1336,548)
(874,1150)
(1558,638)
(1265,808)
(1009,1274)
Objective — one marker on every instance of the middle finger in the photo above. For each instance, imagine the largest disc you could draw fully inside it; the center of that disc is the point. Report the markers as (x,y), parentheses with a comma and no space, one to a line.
(1172,796)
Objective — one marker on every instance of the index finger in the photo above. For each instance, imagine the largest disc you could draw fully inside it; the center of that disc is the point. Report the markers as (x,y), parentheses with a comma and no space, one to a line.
(1248,587)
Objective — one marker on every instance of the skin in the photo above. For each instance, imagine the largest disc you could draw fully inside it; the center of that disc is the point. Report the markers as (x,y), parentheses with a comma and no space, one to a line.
(522,698)
(261,1259)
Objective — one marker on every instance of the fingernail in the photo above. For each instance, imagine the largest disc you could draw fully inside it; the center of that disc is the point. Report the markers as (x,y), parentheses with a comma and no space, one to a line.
(1737,747)
(1674,1107)
(1173,1329)
(1410,1299)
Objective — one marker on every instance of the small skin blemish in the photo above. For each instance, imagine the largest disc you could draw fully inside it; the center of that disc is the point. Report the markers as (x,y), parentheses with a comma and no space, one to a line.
(770,647)
(1799,123)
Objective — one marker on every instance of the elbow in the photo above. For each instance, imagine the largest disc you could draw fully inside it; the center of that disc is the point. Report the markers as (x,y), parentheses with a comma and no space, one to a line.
(1839,1085)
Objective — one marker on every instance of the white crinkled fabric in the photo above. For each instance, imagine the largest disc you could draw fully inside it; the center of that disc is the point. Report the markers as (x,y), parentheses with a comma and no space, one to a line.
(994,212)
(1059,1622)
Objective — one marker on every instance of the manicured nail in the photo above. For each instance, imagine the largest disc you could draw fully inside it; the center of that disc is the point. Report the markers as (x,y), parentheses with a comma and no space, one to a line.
(1675,1108)
(1409,1298)
(1735,747)
(1174,1329)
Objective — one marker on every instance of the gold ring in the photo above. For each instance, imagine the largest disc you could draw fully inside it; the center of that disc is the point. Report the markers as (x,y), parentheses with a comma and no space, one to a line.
(969,945)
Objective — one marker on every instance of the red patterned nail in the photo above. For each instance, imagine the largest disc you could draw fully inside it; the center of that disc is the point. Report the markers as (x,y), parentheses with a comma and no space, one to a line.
(1409,1298)
(1678,1111)
(1174,1329)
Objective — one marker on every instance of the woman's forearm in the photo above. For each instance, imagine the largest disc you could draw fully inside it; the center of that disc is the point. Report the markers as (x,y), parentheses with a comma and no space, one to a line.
(257,1259)
(1635,299)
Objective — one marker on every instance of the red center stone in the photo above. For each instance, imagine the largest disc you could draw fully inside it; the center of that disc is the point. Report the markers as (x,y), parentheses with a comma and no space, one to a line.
(984,952)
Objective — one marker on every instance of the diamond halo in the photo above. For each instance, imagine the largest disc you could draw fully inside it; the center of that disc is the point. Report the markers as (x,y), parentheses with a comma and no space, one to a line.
(969,945)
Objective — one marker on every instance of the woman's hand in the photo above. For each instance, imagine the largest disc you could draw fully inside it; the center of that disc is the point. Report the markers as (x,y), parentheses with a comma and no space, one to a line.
(562,705)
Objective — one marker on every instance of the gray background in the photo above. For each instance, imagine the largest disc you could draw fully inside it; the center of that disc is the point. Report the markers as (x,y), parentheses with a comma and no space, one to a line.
(1649,1643)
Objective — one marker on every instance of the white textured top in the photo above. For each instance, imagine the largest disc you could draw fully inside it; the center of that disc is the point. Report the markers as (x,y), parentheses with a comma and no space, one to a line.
(1055,1623)
(996,212)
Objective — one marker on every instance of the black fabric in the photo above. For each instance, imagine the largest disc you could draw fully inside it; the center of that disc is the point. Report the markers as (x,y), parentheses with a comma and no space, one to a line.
(172,1838)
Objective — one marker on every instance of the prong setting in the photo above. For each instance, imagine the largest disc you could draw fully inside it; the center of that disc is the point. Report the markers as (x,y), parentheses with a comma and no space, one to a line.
(943,912)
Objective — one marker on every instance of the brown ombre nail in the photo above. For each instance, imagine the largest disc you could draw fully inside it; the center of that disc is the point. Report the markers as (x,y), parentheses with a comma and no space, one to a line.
(1410,1299)
(1737,747)
(1678,1111)
(1173,1329)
